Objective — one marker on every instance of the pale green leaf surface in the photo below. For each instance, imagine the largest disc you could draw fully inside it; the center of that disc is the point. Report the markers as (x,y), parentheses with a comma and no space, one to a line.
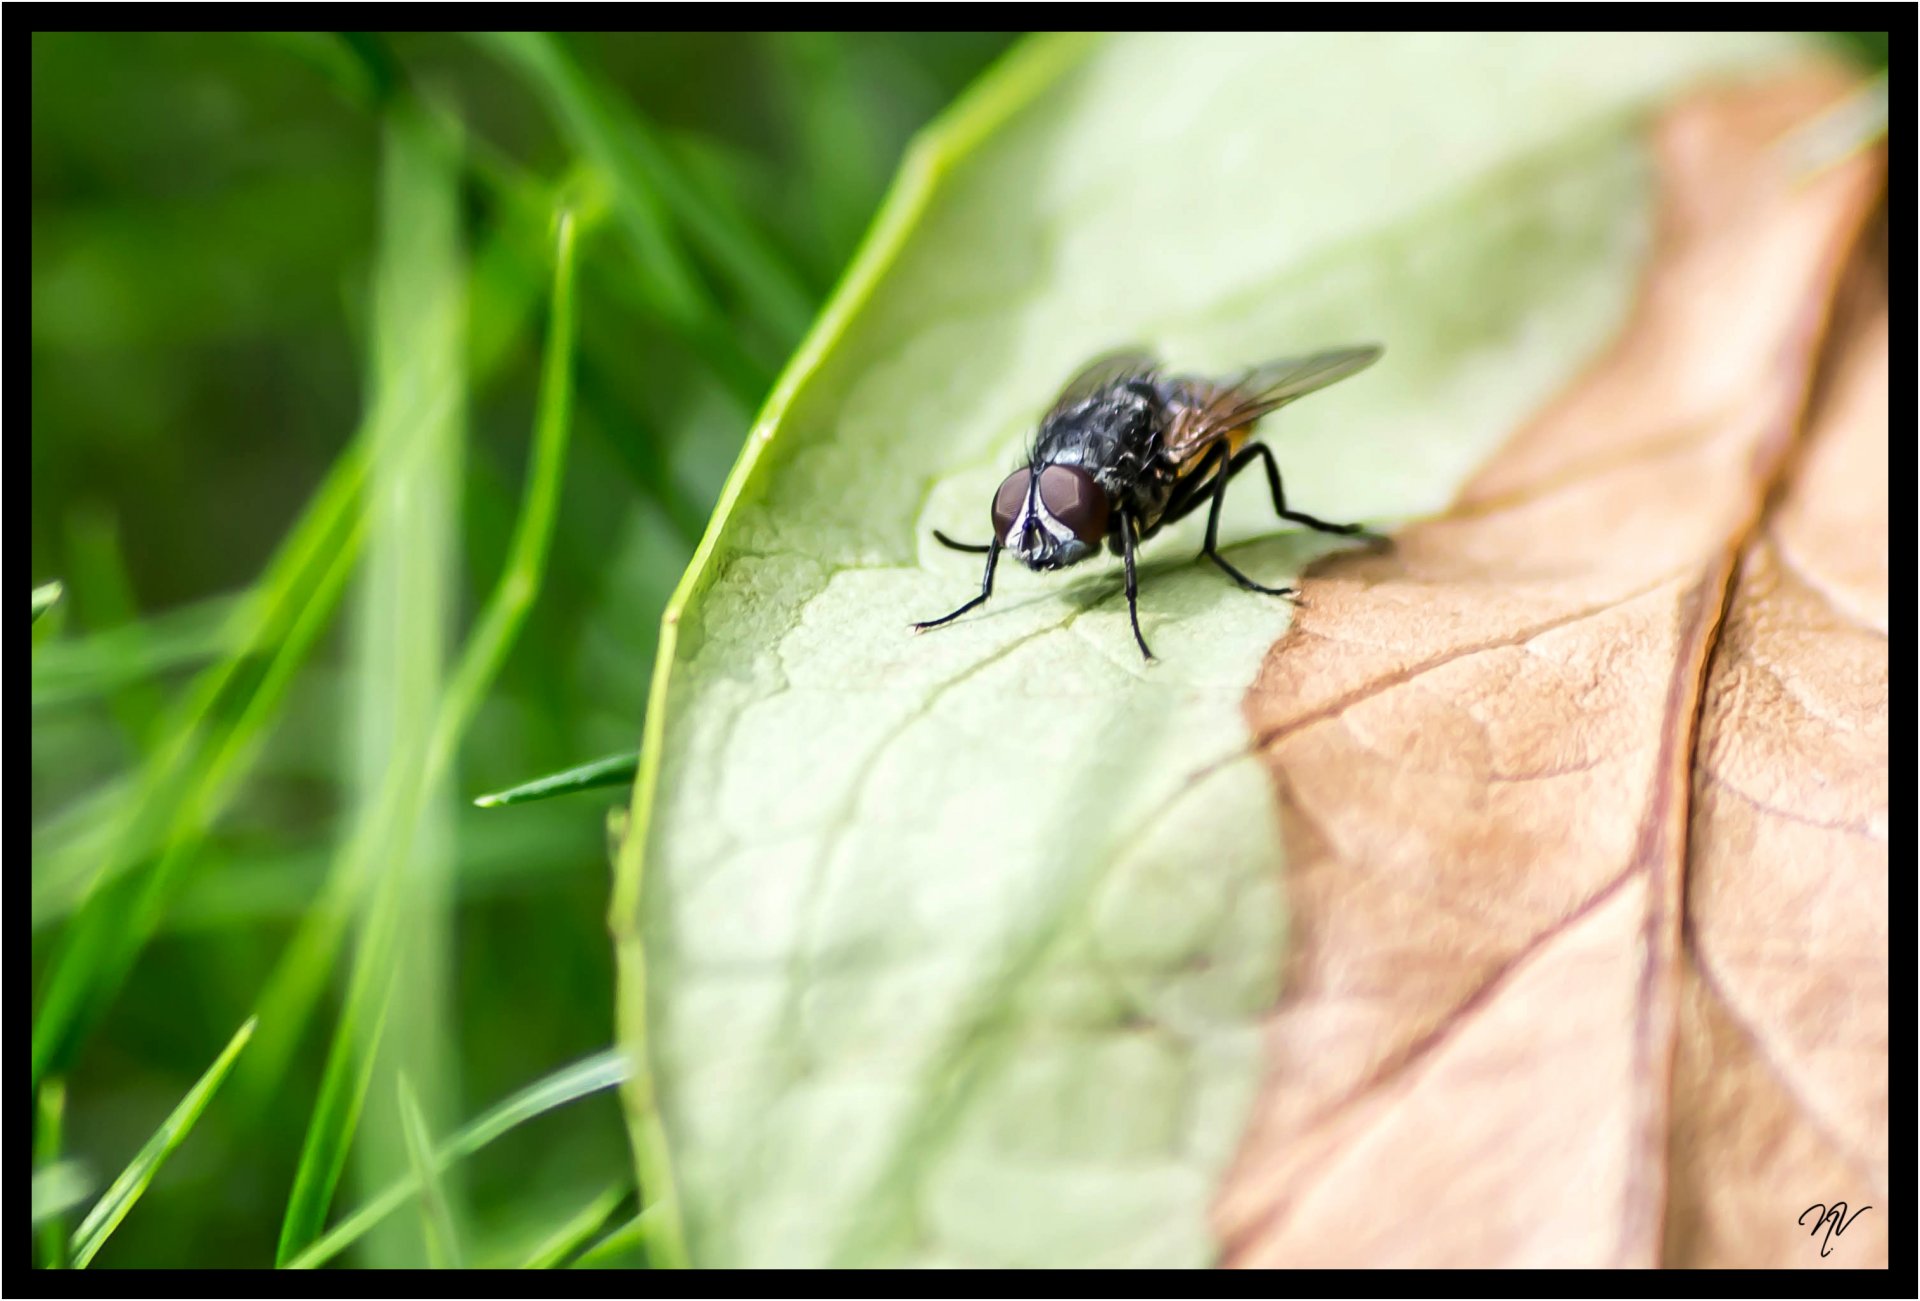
(956,945)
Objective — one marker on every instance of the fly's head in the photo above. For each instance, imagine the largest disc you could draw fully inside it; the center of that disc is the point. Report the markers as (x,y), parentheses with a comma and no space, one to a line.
(1050,516)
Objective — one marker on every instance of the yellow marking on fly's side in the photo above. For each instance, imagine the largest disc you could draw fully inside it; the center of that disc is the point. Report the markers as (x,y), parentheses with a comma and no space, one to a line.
(1235,439)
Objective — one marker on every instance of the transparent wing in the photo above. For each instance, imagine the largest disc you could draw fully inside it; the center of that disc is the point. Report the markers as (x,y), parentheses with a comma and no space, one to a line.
(1239,402)
(1107,368)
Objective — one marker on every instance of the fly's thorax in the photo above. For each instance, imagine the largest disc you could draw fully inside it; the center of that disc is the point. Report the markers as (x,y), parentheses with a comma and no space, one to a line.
(1110,430)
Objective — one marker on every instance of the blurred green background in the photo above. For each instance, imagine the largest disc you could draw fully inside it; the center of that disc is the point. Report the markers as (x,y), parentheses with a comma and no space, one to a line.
(226,229)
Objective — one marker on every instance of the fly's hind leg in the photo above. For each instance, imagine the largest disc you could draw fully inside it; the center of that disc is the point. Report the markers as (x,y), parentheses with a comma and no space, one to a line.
(1265,453)
(1212,549)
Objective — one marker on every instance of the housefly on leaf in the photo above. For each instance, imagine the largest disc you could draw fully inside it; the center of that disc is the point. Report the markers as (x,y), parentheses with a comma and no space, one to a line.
(1127,449)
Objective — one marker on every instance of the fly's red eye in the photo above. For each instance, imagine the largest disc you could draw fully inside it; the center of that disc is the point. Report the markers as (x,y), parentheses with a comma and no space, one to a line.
(1072,497)
(1009,502)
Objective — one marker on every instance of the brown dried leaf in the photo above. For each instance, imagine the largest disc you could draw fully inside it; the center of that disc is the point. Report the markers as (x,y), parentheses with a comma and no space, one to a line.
(1613,679)
(1782,1061)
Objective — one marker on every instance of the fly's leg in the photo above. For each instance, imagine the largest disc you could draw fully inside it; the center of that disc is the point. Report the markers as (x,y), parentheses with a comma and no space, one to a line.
(986,589)
(1212,549)
(1133,583)
(1265,453)
(973,548)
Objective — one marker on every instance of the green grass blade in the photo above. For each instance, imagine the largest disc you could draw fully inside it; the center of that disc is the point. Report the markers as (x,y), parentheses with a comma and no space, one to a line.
(106,601)
(57,1185)
(602,1071)
(119,1198)
(610,130)
(343,1088)
(615,1249)
(114,926)
(640,450)
(832,108)
(296,983)
(150,810)
(246,889)
(345,64)
(105,661)
(614,770)
(387,836)
(1868,48)
(669,282)
(400,828)
(519,585)
(402,622)
(578,1230)
(442,1240)
(155,809)
(553,76)
(43,598)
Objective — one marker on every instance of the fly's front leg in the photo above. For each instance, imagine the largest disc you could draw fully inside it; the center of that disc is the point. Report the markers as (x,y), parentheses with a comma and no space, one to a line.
(972,548)
(1133,583)
(986,590)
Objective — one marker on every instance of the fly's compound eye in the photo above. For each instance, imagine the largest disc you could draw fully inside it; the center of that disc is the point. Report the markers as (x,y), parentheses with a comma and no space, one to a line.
(1072,497)
(1009,502)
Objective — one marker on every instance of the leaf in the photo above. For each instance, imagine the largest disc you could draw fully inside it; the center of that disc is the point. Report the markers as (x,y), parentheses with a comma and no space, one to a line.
(120,1196)
(955,949)
(1584,791)
(1780,1078)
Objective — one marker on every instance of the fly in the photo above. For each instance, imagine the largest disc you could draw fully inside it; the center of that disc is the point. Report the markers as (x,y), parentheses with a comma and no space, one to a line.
(1127,449)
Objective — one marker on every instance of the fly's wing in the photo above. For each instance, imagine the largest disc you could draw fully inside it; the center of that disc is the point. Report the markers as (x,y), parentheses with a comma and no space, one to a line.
(1107,368)
(1225,407)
